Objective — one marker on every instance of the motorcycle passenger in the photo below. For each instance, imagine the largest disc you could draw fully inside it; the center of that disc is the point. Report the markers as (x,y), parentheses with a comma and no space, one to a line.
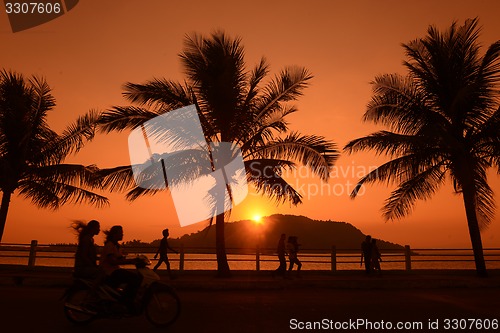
(86,252)
(111,259)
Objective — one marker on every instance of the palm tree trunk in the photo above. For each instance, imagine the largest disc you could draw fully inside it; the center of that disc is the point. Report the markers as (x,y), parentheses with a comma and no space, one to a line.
(4,208)
(223,270)
(220,247)
(475,234)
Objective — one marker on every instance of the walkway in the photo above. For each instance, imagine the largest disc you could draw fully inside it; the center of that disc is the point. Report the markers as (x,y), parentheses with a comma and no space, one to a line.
(262,280)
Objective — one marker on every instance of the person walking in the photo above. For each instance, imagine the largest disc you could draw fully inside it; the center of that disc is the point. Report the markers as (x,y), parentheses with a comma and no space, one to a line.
(376,257)
(293,249)
(281,250)
(163,252)
(366,253)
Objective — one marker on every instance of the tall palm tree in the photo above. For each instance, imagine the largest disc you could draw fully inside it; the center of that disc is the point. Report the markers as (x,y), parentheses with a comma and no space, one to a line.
(234,106)
(444,120)
(32,155)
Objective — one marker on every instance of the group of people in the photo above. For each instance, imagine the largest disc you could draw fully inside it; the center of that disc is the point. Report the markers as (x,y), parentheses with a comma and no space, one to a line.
(112,256)
(107,269)
(291,248)
(371,255)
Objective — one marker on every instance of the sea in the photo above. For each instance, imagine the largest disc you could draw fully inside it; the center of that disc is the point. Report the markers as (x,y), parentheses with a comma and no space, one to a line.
(420,259)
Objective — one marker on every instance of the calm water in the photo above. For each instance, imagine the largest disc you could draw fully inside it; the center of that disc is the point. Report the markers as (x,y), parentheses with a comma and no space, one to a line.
(428,259)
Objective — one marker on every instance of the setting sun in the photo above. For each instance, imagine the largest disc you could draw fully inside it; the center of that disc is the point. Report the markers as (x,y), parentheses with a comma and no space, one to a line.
(257,218)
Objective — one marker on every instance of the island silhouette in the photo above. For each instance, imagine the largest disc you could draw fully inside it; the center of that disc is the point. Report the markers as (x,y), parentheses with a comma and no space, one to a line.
(313,234)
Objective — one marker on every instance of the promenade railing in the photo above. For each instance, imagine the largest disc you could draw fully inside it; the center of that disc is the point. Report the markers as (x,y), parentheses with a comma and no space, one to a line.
(191,258)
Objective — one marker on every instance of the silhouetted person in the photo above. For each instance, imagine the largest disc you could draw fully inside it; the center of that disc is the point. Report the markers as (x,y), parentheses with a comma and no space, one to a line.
(163,251)
(86,251)
(376,257)
(111,259)
(281,270)
(293,249)
(366,253)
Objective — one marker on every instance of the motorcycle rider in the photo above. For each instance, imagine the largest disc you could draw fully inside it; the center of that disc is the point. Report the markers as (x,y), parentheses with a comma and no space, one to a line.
(111,259)
(86,252)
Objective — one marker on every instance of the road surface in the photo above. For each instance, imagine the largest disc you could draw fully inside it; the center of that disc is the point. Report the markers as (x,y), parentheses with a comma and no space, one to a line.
(38,310)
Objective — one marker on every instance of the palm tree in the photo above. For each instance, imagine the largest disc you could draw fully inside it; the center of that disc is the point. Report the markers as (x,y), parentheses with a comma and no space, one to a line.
(32,155)
(443,118)
(234,106)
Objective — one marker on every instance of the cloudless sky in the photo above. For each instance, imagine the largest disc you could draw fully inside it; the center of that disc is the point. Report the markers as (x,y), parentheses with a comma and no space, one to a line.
(89,53)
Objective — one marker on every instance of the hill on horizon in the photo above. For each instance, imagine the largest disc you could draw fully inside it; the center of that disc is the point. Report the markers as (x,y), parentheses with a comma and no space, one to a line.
(312,234)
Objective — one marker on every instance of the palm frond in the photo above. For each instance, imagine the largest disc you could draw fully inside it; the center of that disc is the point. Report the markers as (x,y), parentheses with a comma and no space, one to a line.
(486,137)
(447,67)
(398,104)
(419,187)
(203,57)
(266,167)
(159,93)
(485,88)
(50,194)
(138,192)
(489,71)
(312,151)
(265,130)
(121,118)
(215,68)
(73,138)
(265,175)
(389,143)
(42,102)
(23,110)
(401,170)
(256,76)
(117,179)
(485,201)
(285,87)
(39,194)
(78,175)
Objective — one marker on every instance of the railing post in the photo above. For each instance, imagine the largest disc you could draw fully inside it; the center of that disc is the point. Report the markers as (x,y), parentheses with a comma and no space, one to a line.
(181,258)
(334,258)
(32,257)
(257,258)
(408,257)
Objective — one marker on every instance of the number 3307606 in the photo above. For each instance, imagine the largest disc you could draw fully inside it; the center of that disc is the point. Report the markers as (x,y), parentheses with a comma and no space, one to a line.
(32,8)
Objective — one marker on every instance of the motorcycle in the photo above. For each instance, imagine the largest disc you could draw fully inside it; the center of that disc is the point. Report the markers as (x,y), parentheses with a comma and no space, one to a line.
(86,301)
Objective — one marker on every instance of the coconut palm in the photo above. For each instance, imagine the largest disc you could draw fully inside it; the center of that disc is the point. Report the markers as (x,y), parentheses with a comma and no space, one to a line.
(32,155)
(236,106)
(443,118)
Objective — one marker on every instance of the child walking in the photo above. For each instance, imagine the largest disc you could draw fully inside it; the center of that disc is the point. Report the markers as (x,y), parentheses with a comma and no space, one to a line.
(162,250)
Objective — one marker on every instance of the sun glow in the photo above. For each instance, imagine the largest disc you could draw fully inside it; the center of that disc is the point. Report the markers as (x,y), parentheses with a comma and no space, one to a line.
(257,219)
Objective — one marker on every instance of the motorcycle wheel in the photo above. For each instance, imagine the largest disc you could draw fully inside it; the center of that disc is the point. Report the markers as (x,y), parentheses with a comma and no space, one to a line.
(163,307)
(74,307)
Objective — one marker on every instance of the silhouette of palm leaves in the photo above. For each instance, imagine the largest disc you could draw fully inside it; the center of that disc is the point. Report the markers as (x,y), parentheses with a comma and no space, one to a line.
(32,155)
(443,119)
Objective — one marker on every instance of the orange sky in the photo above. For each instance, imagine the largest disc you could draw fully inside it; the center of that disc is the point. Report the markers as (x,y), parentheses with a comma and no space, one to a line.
(87,54)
